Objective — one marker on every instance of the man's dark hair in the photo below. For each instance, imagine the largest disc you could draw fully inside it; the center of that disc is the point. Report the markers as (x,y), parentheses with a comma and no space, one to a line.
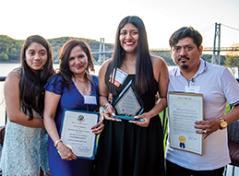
(183,33)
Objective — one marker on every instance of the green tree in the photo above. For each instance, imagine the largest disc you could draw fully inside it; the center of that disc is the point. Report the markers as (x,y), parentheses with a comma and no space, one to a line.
(232,61)
(4,56)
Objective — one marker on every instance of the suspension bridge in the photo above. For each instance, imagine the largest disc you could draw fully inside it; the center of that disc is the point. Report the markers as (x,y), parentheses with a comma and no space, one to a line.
(216,49)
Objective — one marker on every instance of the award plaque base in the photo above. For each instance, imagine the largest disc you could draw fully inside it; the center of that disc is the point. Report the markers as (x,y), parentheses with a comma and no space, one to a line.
(129,118)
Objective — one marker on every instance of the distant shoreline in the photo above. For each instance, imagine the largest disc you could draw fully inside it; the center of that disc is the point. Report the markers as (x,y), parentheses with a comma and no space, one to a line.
(11,62)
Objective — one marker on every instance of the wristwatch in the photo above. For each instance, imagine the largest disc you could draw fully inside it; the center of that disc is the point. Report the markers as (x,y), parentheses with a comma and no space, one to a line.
(223,123)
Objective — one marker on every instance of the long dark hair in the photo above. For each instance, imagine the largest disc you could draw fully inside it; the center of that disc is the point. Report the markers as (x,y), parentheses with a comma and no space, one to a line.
(64,57)
(144,69)
(32,82)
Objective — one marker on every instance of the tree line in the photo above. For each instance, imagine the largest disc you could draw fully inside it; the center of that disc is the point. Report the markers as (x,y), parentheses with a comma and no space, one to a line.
(10,48)
(10,51)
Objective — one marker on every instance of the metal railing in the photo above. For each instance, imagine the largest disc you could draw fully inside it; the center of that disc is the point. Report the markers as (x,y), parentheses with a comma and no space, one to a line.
(2,79)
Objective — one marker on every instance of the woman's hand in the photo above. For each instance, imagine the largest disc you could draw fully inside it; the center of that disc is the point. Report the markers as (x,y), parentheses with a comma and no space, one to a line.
(65,152)
(143,120)
(108,112)
(98,128)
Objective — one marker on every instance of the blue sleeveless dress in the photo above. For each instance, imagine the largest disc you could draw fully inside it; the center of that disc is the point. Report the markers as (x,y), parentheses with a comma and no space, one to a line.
(70,99)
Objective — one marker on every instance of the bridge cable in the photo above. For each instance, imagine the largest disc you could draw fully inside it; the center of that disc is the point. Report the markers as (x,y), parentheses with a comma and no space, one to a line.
(230,27)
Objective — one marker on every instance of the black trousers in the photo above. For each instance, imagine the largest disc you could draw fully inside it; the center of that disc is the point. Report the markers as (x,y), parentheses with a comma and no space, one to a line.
(176,170)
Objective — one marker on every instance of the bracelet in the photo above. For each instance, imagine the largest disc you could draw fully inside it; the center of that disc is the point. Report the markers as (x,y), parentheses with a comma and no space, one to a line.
(57,142)
(101,109)
(106,105)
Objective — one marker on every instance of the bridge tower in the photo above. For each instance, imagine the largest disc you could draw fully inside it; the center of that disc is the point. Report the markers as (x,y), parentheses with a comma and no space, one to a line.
(216,59)
(101,50)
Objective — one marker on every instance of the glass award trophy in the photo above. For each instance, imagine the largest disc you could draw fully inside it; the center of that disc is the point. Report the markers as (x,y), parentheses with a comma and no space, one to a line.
(128,104)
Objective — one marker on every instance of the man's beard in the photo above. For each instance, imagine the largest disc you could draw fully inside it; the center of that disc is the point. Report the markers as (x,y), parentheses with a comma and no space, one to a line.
(184,67)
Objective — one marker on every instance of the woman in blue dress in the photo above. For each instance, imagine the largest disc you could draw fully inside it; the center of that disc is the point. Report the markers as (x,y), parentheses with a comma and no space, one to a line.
(73,88)
(25,145)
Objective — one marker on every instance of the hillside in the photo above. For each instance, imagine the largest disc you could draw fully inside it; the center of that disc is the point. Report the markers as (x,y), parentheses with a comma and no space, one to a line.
(10,48)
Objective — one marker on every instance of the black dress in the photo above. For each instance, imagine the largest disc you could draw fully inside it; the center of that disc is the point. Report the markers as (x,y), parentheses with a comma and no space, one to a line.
(126,149)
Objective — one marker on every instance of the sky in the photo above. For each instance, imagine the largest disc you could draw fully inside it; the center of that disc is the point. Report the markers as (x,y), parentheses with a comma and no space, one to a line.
(95,19)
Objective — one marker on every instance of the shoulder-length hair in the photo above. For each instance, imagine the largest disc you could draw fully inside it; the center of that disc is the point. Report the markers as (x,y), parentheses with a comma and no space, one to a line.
(144,69)
(31,81)
(64,58)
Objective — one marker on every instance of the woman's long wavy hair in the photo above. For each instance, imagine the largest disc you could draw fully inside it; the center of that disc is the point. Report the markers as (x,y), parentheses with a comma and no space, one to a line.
(64,58)
(144,70)
(31,81)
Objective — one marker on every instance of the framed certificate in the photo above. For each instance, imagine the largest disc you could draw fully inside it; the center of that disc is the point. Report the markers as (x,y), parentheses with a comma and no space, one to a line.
(128,104)
(76,132)
(184,109)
